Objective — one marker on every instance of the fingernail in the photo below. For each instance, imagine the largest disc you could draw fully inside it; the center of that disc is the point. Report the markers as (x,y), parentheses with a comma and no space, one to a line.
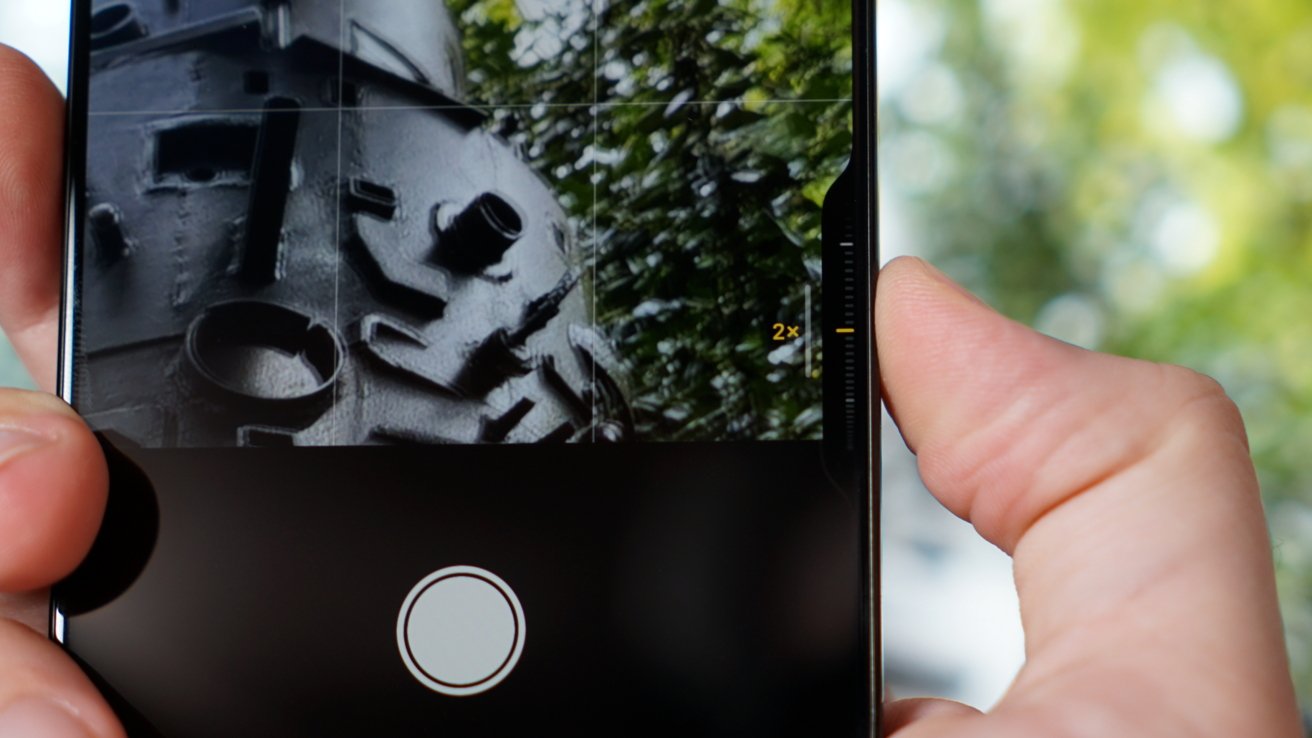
(17,441)
(37,718)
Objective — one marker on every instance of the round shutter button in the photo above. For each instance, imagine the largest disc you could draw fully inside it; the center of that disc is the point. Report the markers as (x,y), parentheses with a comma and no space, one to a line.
(460,631)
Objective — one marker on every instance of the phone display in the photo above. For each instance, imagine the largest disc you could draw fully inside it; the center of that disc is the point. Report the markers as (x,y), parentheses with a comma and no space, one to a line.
(475,367)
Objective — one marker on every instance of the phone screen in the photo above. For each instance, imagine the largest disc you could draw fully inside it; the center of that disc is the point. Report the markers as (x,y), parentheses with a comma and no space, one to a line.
(568,298)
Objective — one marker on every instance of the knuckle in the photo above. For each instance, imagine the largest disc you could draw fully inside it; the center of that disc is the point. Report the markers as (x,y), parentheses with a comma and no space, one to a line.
(1202,399)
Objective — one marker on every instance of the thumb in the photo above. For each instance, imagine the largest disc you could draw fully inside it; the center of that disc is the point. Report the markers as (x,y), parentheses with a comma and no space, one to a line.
(1125,493)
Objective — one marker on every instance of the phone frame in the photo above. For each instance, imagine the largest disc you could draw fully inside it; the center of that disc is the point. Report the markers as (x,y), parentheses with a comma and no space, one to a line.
(865,223)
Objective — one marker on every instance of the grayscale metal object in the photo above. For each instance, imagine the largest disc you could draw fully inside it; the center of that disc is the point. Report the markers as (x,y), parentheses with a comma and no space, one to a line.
(301,236)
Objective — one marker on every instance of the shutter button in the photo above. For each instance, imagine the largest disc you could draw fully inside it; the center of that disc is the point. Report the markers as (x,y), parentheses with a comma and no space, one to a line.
(460,631)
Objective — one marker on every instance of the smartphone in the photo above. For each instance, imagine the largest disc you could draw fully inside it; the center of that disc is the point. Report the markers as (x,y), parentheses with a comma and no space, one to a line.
(479,367)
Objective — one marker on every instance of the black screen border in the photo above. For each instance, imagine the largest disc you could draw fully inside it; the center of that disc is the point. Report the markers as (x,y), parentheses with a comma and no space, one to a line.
(865,468)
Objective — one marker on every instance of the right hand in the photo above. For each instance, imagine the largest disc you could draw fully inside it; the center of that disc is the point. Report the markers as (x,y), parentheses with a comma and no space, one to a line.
(53,481)
(1126,495)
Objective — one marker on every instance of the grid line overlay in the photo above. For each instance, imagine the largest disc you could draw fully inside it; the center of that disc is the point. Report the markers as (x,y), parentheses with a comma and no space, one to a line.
(596,146)
(489,108)
(337,224)
(596,107)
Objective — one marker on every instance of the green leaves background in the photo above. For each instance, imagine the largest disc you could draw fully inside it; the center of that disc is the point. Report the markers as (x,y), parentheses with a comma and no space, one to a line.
(694,190)
(1134,176)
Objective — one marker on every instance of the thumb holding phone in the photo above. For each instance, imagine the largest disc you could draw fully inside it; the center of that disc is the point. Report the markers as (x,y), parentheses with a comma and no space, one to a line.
(1124,492)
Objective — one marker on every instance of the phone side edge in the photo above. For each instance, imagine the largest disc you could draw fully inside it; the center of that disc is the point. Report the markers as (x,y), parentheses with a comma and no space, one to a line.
(865,92)
(75,146)
(865,135)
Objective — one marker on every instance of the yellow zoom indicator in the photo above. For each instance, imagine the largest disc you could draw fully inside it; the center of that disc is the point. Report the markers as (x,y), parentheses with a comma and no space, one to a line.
(845,330)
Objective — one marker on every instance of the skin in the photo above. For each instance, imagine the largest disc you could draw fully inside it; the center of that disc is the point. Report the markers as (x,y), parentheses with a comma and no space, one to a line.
(1123,489)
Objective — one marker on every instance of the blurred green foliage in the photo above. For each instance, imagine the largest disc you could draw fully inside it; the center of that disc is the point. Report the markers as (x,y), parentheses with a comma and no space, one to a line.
(1133,176)
(694,190)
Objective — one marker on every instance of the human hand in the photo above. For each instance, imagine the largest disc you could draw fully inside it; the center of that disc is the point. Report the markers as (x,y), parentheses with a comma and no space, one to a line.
(1124,492)
(52,473)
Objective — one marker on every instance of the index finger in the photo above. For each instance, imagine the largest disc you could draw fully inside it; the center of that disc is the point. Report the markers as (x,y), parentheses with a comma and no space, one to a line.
(31,210)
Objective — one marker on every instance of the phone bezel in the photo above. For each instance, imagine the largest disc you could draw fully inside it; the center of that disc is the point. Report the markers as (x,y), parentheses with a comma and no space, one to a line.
(864,150)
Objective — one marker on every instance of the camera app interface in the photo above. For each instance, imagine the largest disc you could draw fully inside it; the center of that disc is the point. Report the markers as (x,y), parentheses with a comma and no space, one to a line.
(361,222)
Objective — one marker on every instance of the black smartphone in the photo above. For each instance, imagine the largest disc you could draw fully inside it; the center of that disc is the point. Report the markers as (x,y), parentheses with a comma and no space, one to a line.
(476,368)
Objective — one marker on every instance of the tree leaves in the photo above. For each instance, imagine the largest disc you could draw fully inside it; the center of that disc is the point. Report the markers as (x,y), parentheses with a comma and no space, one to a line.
(707,132)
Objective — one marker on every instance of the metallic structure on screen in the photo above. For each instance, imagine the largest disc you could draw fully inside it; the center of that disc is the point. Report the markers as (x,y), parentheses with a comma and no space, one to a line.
(300,235)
